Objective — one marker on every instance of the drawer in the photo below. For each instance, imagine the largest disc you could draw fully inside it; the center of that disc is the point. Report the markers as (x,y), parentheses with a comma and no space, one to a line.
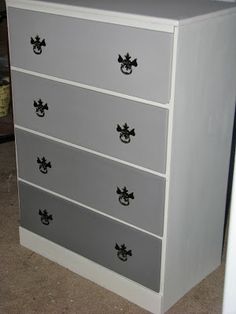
(93,120)
(124,192)
(60,48)
(92,235)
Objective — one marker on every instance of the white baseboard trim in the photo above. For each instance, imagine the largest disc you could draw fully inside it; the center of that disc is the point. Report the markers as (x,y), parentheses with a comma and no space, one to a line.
(102,276)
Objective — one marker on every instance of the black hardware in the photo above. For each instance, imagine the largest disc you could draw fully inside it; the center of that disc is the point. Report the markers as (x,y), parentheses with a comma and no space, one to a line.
(124,196)
(127,64)
(45,218)
(43,165)
(125,133)
(37,44)
(40,107)
(122,252)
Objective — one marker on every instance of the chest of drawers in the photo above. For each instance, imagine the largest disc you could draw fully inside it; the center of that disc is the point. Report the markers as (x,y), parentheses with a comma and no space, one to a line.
(123,120)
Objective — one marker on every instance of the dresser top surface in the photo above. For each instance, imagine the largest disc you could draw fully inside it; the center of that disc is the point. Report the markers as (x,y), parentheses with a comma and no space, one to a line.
(172,10)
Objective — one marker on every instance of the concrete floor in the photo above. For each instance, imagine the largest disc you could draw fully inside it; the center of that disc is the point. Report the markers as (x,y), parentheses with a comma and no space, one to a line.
(31,284)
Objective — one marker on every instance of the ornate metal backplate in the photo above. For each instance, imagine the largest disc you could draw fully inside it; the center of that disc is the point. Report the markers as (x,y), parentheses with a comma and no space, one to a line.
(122,252)
(125,133)
(127,64)
(45,217)
(37,44)
(124,196)
(40,108)
(43,165)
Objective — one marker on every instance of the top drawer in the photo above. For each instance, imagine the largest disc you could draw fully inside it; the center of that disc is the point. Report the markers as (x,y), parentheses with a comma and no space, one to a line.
(88,52)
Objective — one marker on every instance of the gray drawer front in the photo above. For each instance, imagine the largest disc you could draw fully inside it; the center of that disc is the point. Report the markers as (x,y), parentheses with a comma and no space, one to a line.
(92,235)
(93,180)
(87,52)
(90,119)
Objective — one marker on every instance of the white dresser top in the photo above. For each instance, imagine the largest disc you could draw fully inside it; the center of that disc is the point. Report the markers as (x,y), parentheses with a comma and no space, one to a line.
(168,9)
(163,12)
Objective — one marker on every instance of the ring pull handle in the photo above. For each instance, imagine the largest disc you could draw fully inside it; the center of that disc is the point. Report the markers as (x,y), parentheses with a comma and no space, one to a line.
(43,165)
(125,133)
(127,64)
(45,217)
(40,108)
(124,196)
(122,252)
(37,44)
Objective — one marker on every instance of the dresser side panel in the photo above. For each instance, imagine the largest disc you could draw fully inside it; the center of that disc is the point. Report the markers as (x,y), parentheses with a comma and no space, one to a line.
(202,130)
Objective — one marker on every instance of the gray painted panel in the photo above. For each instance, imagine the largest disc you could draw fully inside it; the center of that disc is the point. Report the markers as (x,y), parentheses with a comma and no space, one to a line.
(92,235)
(89,51)
(89,119)
(93,180)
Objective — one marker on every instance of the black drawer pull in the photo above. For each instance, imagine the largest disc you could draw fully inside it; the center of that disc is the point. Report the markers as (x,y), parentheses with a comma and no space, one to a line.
(125,133)
(43,165)
(127,64)
(124,196)
(37,44)
(122,253)
(45,218)
(40,107)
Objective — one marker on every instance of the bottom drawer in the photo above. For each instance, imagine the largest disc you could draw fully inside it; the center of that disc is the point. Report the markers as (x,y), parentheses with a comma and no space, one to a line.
(125,250)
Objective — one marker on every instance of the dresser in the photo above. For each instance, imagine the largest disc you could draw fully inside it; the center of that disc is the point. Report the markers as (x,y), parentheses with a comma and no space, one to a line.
(123,117)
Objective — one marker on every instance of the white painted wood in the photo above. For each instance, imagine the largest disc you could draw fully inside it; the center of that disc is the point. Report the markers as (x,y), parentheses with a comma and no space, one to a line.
(106,278)
(96,89)
(229,301)
(151,14)
(202,129)
(168,157)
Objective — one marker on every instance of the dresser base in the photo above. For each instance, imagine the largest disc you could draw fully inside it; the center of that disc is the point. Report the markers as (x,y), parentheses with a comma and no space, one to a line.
(104,277)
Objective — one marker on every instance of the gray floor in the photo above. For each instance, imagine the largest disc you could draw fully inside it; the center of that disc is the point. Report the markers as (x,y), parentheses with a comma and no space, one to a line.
(30,283)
